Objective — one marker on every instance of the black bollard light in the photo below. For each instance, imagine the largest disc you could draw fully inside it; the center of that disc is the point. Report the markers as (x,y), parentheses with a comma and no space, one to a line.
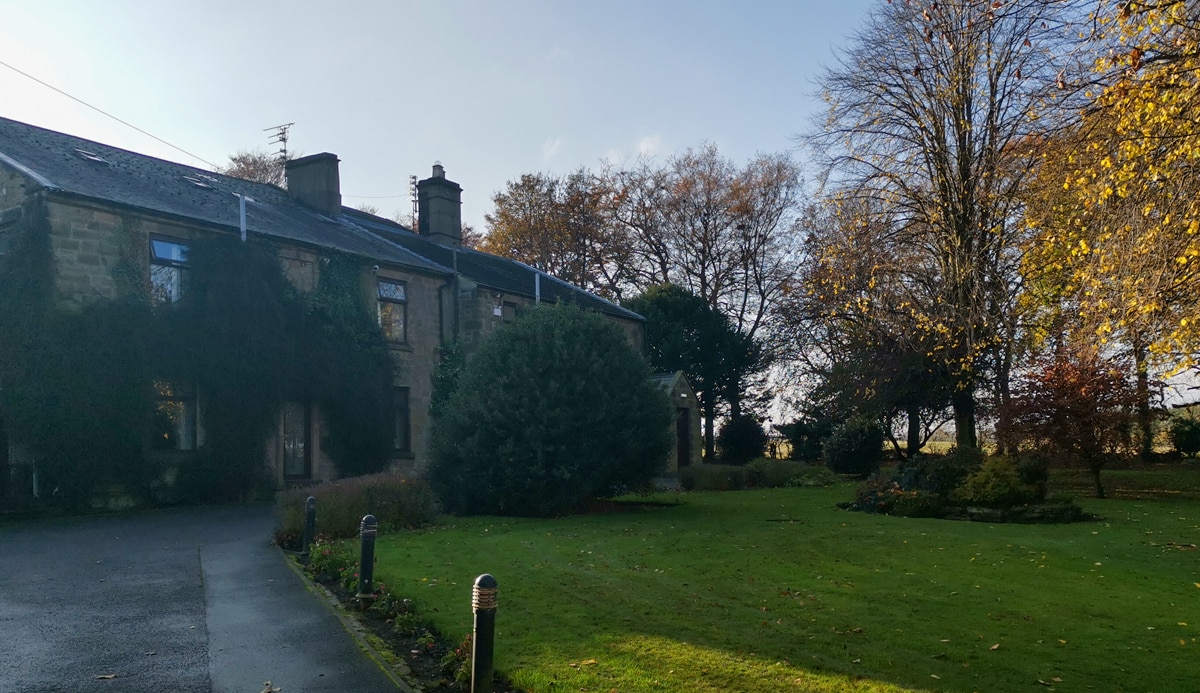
(310,526)
(366,559)
(483,640)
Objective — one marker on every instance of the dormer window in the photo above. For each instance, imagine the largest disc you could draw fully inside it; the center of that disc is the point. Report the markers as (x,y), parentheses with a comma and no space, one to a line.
(168,269)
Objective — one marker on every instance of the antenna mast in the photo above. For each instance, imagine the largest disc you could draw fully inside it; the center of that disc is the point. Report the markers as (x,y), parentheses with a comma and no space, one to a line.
(279,135)
(412,193)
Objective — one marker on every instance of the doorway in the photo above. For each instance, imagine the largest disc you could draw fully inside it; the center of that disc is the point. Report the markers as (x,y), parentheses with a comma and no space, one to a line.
(683,436)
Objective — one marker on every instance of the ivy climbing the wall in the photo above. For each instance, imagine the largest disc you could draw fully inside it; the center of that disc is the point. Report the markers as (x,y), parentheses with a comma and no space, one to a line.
(77,388)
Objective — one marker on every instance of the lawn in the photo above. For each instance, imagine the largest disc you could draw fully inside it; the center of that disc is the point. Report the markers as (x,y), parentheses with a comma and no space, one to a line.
(778,590)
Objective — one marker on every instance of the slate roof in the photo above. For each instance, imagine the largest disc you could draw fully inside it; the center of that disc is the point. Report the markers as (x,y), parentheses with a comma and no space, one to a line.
(75,166)
(492,271)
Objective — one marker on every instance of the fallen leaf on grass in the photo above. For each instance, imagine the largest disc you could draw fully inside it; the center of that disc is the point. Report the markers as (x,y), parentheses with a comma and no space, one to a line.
(106,676)
(995,647)
(935,676)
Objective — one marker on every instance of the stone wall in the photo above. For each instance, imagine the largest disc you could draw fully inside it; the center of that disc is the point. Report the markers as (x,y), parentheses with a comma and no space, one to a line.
(416,359)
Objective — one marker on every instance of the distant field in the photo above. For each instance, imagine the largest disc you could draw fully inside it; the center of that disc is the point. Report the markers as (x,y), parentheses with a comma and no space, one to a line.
(1163,482)
(777,590)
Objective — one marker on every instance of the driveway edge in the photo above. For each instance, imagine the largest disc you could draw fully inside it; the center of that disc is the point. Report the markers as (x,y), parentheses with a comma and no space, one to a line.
(350,622)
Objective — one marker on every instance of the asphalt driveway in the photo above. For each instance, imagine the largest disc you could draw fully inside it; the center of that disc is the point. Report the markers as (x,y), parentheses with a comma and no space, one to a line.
(172,600)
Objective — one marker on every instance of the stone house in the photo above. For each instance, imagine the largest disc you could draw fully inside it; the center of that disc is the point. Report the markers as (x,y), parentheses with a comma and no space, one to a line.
(685,427)
(425,288)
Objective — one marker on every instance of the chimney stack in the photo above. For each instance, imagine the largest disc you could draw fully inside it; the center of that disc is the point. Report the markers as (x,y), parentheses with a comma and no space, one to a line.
(439,208)
(313,182)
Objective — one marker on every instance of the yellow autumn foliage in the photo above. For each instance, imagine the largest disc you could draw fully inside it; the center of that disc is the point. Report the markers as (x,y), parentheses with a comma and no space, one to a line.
(1119,197)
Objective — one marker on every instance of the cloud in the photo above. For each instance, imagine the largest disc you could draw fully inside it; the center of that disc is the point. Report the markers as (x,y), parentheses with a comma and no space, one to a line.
(551,147)
(650,145)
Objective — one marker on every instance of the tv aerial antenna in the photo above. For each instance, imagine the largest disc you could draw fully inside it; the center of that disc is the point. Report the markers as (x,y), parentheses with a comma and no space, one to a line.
(412,194)
(279,135)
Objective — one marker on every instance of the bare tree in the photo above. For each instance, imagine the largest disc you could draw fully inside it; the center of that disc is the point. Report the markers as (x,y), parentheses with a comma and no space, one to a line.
(258,166)
(723,232)
(932,114)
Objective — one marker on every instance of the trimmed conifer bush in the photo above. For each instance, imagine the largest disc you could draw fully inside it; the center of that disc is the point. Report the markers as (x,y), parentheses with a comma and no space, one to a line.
(855,447)
(553,410)
(741,439)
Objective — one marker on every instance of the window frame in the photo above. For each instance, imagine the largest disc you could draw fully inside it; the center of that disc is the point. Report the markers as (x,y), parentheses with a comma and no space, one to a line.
(396,303)
(305,422)
(401,422)
(180,268)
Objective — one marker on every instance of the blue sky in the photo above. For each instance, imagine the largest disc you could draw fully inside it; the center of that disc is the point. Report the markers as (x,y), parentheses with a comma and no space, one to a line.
(490,89)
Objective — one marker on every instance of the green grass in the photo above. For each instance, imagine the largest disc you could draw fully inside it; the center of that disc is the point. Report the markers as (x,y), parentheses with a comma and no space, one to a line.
(778,590)
(1162,482)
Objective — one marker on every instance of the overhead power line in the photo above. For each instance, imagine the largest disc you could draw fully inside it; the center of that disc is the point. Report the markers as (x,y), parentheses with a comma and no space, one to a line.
(106,113)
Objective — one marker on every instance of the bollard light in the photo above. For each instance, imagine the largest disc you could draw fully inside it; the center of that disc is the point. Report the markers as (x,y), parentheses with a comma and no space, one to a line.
(310,526)
(483,640)
(366,559)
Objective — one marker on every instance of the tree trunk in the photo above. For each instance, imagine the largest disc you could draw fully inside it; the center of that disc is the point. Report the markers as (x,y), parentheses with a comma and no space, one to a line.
(963,403)
(1145,422)
(1004,389)
(1096,479)
(710,416)
(914,430)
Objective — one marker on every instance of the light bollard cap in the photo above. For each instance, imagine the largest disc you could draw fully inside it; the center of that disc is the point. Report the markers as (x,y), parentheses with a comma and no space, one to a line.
(369,526)
(483,596)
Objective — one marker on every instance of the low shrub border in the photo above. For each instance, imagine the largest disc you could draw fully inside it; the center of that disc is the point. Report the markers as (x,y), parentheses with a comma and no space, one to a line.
(398,502)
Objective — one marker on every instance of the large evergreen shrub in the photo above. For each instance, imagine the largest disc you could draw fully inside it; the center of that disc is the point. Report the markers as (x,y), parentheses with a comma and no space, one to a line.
(807,435)
(855,447)
(553,410)
(1185,436)
(741,439)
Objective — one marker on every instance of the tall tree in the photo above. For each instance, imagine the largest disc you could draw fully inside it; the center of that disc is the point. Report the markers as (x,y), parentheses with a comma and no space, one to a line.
(1119,214)
(855,322)
(560,226)
(684,333)
(931,115)
(724,232)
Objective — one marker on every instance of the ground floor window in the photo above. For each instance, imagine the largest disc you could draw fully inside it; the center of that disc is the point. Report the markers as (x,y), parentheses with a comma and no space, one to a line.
(297,455)
(174,417)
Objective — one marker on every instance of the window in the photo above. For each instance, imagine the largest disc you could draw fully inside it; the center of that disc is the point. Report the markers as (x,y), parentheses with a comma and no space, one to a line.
(300,273)
(393,310)
(174,418)
(168,270)
(402,430)
(297,460)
